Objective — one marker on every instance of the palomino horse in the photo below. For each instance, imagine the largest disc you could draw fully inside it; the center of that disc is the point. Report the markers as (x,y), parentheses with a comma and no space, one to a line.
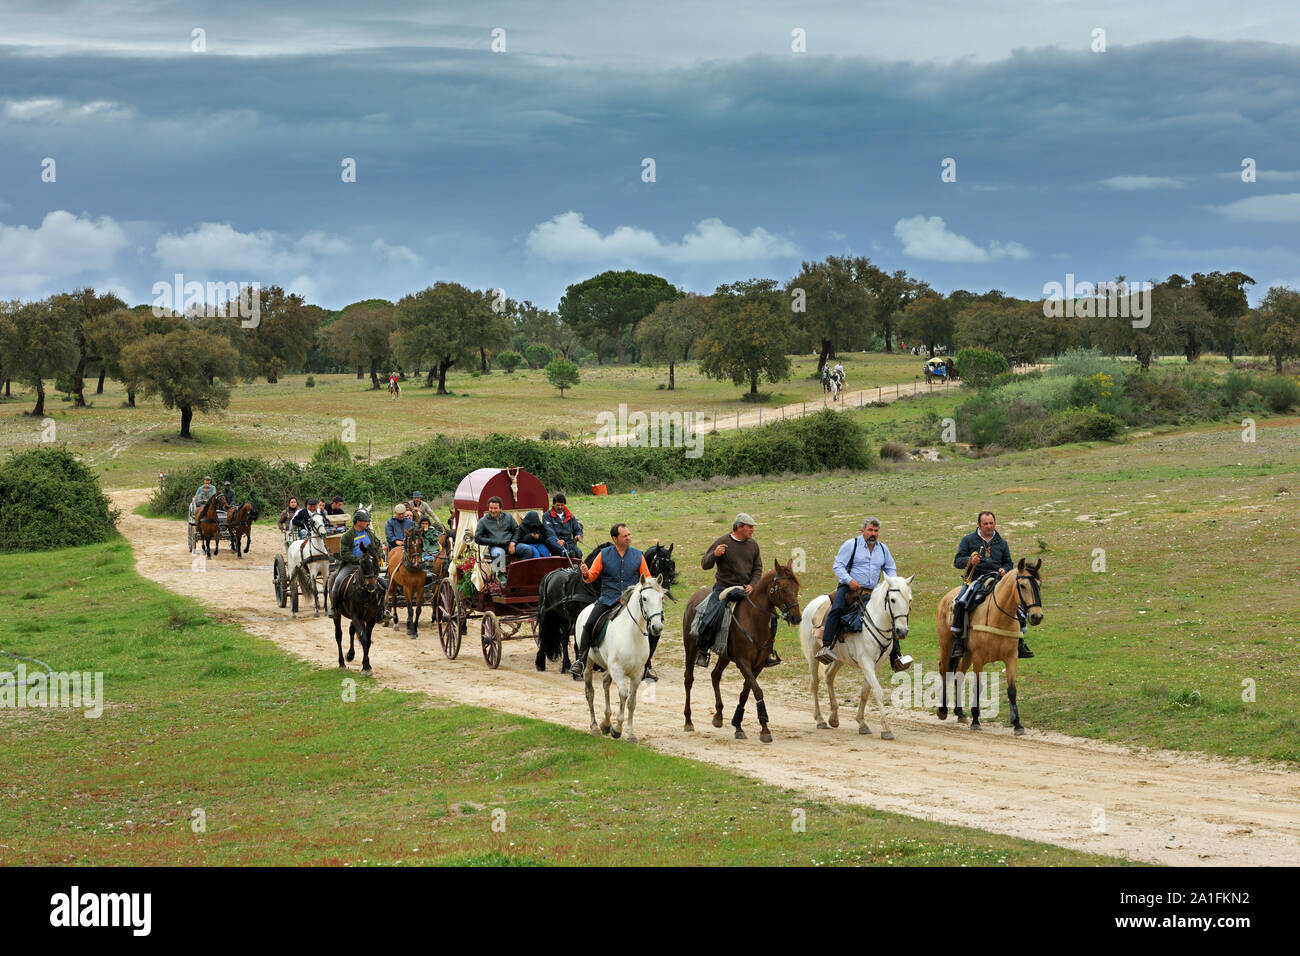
(884,618)
(749,642)
(301,555)
(994,636)
(624,651)
(361,600)
(406,572)
(208,523)
(239,523)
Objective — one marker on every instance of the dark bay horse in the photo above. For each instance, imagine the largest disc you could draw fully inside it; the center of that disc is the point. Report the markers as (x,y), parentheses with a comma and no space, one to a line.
(239,523)
(562,596)
(361,600)
(208,524)
(749,643)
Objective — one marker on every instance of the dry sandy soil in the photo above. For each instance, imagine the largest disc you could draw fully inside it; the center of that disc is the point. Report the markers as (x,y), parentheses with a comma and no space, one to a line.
(1158,806)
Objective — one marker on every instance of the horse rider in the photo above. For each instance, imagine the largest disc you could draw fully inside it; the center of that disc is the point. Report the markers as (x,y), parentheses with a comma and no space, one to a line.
(301,521)
(992,558)
(496,532)
(618,567)
(839,372)
(356,541)
(421,507)
(563,530)
(335,506)
(530,537)
(736,563)
(204,494)
(286,516)
(859,563)
(397,526)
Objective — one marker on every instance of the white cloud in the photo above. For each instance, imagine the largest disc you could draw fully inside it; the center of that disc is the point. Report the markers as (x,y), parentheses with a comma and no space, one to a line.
(567,238)
(58,110)
(1144,182)
(219,247)
(63,244)
(1279,207)
(931,239)
(397,255)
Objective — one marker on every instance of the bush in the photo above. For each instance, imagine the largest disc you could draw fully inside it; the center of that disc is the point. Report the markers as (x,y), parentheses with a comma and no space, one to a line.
(988,425)
(332,451)
(893,450)
(50,500)
(1280,393)
(1083,363)
(554,434)
(562,374)
(311,381)
(509,361)
(539,356)
(1082,424)
(979,367)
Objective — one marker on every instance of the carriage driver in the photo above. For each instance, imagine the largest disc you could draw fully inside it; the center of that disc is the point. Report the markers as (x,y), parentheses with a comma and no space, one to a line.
(992,559)
(205,492)
(421,507)
(301,521)
(397,526)
(356,541)
(618,567)
(228,493)
(858,566)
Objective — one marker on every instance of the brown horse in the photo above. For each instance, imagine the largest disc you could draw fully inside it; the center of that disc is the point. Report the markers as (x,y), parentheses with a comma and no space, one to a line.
(749,642)
(209,525)
(994,631)
(406,571)
(239,523)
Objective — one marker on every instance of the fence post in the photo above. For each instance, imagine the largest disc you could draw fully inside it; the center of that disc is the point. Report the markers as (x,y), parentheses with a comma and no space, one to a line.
(738,419)
(760,416)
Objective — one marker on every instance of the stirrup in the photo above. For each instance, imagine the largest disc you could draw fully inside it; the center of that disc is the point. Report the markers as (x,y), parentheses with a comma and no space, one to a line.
(772,659)
(827,654)
(702,659)
(900,664)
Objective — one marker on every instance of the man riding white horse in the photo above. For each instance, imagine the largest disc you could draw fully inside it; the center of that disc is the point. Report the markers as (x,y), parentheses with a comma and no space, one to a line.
(991,556)
(859,563)
(617,567)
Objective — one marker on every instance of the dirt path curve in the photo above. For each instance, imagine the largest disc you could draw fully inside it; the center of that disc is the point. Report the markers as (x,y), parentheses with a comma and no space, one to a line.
(1158,806)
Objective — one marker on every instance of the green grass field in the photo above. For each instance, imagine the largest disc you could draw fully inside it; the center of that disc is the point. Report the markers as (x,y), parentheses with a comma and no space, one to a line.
(200,716)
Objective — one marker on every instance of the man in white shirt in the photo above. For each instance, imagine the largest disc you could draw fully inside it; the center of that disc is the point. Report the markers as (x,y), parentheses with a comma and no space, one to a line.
(859,563)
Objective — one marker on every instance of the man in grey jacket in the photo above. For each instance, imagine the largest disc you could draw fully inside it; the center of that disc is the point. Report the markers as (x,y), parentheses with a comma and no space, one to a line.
(496,532)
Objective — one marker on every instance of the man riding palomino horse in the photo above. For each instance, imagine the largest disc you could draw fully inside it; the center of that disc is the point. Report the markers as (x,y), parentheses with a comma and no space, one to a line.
(989,557)
(858,565)
(738,568)
(618,567)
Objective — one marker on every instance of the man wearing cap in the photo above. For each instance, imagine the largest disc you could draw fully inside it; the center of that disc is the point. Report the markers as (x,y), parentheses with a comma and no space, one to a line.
(397,526)
(356,541)
(736,563)
(617,567)
(301,522)
(228,493)
(858,566)
(421,507)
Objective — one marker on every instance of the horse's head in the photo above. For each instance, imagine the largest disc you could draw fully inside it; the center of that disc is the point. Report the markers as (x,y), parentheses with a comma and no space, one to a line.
(319,526)
(661,564)
(784,592)
(897,600)
(369,573)
(412,547)
(1028,588)
(650,605)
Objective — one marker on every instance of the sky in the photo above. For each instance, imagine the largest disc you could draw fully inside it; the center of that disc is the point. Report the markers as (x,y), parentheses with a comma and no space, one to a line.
(529,146)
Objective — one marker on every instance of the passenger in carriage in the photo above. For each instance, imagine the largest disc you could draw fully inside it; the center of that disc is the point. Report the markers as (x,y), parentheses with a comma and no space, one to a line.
(397,526)
(563,529)
(428,540)
(286,516)
(205,492)
(421,507)
(496,532)
(335,506)
(530,537)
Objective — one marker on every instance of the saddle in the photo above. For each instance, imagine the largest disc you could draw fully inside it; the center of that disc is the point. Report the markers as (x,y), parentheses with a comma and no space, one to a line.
(850,620)
(713,619)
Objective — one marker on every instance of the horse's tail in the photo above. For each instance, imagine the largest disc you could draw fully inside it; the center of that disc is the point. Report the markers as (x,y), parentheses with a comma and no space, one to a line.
(808,639)
(552,625)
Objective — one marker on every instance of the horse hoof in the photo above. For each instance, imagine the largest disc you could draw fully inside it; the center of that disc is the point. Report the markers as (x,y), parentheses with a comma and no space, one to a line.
(864,730)
(740,734)
(342,666)
(540,667)
(1020,731)
(604,729)
(976,727)
(886,735)
(942,713)
(717,721)
(351,655)
(835,721)
(765,737)
(594,730)
(630,739)
(689,728)
(615,733)
(961,720)
(822,725)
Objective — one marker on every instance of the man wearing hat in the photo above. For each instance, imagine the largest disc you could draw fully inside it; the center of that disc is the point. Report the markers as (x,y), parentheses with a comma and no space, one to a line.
(228,493)
(357,540)
(738,568)
(858,565)
(397,526)
(301,522)
(421,507)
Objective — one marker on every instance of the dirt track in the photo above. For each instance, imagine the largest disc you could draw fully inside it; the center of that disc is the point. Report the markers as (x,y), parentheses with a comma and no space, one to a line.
(1158,806)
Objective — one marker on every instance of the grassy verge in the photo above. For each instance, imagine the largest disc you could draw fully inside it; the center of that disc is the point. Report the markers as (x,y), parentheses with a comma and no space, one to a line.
(199,715)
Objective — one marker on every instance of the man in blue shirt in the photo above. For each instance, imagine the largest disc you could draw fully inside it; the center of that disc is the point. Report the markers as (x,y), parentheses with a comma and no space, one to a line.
(858,566)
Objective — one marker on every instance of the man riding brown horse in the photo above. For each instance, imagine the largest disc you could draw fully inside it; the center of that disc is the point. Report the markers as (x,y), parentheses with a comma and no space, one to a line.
(738,568)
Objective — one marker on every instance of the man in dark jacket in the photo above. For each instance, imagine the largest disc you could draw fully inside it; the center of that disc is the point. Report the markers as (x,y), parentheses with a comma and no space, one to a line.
(357,540)
(992,558)
(530,537)
(563,529)
(736,563)
(301,521)
(496,532)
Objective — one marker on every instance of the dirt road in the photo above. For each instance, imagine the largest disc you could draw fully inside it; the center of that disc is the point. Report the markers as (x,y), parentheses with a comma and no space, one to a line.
(1157,806)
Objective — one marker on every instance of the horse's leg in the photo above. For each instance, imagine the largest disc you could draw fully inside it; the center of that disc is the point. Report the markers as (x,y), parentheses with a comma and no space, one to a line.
(831,671)
(813,683)
(874,682)
(419,606)
(958,685)
(716,675)
(739,716)
(634,682)
(622,705)
(365,645)
(751,680)
(410,613)
(605,727)
(352,639)
(690,678)
(975,707)
(338,639)
(1011,693)
(591,703)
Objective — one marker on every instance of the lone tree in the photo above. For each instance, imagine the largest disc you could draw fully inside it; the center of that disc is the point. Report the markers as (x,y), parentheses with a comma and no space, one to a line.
(80,308)
(182,369)
(562,374)
(440,325)
(1274,328)
(607,307)
(836,301)
(361,335)
(667,334)
(46,339)
(749,334)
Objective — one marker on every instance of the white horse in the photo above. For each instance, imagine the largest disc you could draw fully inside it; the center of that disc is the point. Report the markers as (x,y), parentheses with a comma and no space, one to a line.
(885,618)
(624,651)
(837,383)
(307,559)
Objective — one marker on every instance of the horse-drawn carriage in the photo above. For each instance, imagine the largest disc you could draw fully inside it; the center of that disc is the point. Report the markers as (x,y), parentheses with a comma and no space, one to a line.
(939,370)
(507,606)
(192,528)
(302,561)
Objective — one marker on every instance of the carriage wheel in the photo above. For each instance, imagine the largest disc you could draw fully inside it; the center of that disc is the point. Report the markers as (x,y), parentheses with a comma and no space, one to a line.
(491,640)
(293,593)
(190,535)
(448,611)
(277,577)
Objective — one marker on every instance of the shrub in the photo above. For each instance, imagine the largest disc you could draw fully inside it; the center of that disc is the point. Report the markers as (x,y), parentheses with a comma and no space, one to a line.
(1280,393)
(50,500)
(893,450)
(562,374)
(979,367)
(1082,424)
(554,434)
(988,425)
(331,451)
(311,381)
(1083,363)
(509,361)
(539,356)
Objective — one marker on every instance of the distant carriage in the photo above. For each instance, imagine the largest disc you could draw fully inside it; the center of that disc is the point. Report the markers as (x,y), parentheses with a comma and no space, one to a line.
(939,370)
(505,609)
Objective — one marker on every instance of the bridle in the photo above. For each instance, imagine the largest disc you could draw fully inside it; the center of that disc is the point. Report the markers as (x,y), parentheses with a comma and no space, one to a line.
(317,534)
(1020,598)
(885,640)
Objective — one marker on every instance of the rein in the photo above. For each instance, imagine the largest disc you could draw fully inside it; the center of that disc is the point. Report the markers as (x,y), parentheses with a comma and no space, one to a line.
(1020,602)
